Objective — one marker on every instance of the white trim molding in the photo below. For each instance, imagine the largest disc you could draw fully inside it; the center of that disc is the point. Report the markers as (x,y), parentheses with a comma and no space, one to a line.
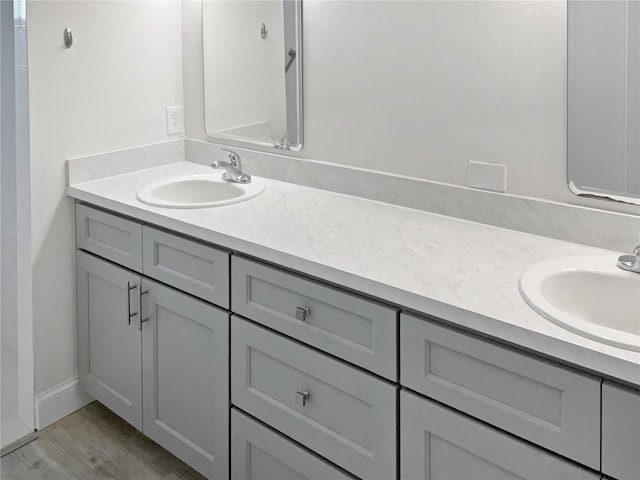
(12,430)
(59,401)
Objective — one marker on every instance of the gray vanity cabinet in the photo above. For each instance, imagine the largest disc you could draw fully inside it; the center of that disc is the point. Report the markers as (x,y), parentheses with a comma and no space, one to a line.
(441,444)
(313,377)
(109,339)
(185,377)
(620,432)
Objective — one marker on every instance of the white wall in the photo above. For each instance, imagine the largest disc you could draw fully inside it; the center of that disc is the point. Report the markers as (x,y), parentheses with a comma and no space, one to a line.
(109,91)
(421,88)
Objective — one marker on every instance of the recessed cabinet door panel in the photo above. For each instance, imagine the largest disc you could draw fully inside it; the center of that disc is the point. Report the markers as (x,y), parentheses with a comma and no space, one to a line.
(342,413)
(109,236)
(185,372)
(438,443)
(620,432)
(259,453)
(554,407)
(358,330)
(109,343)
(190,266)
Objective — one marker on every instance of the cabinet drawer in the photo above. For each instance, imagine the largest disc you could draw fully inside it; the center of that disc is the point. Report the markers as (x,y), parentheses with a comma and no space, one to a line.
(259,453)
(109,236)
(360,331)
(190,266)
(349,416)
(440,444)
(554,407)
(620,432)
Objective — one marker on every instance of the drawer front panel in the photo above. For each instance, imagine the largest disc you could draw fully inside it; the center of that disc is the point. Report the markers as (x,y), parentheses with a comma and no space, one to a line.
(440,444)
(259,453)
(360,331)
(620,432)
(551,406)
(109,236)
(344,414)
(187,265)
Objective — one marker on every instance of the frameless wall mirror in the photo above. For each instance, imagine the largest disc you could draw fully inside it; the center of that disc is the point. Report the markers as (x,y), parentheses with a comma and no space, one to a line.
(604,99)
(253,71)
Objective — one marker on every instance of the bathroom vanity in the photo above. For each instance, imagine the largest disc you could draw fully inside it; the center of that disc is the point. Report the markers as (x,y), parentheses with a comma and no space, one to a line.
(247,363)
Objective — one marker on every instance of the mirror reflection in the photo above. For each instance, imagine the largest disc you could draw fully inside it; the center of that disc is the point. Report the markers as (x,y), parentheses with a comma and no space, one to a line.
(604,99)
(252,71)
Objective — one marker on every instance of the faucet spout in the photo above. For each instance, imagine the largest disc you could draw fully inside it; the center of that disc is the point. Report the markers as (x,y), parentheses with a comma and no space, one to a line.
(233,171)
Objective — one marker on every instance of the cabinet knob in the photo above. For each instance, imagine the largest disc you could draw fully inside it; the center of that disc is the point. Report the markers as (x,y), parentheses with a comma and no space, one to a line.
(302,398)
(302,313)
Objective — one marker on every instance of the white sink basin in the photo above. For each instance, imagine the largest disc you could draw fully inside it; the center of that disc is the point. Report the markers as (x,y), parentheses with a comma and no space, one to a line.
(589,296)
(198,191)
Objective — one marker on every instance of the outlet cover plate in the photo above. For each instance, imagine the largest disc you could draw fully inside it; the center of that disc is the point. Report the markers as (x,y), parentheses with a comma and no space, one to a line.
(175,120)
(488,176)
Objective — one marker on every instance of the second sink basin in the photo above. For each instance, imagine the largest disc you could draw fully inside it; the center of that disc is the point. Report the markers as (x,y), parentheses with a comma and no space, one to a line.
(198,191)
(590,296)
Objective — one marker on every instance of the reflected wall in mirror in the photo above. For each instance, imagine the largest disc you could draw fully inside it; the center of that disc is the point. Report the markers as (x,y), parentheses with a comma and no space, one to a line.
(604,99)
(253,71)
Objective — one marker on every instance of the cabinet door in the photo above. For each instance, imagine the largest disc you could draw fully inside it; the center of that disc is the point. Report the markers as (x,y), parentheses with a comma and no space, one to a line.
(620,432)
(438,443)
(109,343)
(186,378)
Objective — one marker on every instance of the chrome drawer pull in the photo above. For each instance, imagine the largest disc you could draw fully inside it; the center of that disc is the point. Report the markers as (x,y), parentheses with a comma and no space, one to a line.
(302,313)
(302,398)
(129,289)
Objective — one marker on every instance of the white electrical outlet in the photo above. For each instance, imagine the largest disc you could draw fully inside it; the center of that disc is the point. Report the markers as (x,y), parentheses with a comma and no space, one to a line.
(175,120)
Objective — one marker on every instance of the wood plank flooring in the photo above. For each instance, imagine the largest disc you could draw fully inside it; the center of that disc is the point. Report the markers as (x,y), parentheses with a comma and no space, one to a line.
(93,443)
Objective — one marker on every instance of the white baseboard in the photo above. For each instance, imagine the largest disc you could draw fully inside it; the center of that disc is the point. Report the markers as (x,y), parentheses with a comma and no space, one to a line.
(12,430)
(59,401)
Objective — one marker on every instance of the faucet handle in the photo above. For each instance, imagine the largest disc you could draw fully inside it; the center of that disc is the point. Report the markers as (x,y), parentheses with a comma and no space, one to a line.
(234,158)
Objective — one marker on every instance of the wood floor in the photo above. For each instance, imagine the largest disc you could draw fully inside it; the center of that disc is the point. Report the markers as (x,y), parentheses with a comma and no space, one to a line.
(93,443)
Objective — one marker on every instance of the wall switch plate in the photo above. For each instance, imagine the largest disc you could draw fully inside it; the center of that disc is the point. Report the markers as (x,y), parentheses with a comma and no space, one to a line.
(175,120)
(488,176)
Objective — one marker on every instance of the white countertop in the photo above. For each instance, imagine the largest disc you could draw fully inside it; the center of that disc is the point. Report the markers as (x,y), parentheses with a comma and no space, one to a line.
(466,273)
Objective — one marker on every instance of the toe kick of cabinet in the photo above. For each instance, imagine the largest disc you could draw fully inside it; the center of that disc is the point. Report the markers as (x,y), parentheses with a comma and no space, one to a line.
(344,414)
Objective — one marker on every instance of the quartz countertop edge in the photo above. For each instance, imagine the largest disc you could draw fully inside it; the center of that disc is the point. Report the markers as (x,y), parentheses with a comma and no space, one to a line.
(462,272)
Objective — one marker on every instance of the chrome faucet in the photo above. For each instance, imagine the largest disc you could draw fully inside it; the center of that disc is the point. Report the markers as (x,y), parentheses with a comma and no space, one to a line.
(233,168)
(630,263)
